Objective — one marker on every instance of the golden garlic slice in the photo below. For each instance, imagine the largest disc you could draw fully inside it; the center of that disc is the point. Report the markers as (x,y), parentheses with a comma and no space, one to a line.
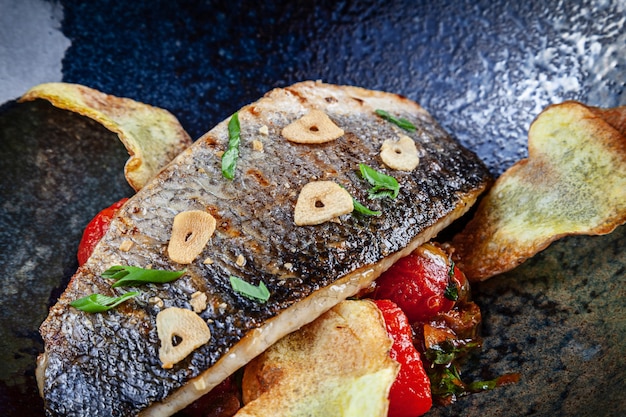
(314,127)
(190,233)
(400,154)
(321,201)
(180,331)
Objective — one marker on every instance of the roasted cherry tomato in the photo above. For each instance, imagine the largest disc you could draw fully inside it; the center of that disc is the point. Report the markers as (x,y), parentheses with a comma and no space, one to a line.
(95,229)
(418,282)
(410,394)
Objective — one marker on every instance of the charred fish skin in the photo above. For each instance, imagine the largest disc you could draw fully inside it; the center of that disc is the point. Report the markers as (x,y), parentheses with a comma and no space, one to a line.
(108,364)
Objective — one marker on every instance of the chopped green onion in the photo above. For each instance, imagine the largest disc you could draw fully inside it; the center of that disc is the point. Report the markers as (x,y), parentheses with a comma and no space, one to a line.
(452,290)
(98,303)
(400,122)
(131,275)
(229,158)
(260,293)
(383,185)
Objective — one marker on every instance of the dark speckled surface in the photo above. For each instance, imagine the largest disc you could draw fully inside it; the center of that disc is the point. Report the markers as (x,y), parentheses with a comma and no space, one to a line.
(484,69)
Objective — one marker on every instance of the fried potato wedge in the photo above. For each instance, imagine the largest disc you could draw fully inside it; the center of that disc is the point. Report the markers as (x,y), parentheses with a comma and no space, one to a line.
(338,365)
(573,182)
(151,135)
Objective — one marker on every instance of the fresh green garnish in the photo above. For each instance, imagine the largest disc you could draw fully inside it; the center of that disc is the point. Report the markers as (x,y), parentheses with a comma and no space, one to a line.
(361,209)
(400,122)
(383,185)
(130,276)
(452,290)
(260,293)
(229,158)
(448,386)
(98,303)
(445,378)
(447,352)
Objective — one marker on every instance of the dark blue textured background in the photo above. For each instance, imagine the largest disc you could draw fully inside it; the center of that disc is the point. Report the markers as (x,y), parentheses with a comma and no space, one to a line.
(483,69)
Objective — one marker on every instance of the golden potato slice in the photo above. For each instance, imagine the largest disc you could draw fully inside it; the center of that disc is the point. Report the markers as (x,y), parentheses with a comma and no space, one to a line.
(339,365)
(152,136)
(573,182)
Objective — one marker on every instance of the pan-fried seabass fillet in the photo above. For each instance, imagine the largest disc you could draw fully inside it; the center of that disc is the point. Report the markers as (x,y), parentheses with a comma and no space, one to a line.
(305,244)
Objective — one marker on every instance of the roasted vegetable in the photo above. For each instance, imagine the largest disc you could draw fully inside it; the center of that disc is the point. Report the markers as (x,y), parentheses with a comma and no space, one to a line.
(410,394)
(95,229)
(421,284)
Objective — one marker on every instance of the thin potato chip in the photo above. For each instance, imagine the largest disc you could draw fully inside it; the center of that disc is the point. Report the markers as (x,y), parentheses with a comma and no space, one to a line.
(339,365)
(573,182)
(152,136)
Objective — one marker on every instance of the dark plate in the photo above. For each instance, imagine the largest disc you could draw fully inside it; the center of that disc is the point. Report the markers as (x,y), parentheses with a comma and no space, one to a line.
(483,69)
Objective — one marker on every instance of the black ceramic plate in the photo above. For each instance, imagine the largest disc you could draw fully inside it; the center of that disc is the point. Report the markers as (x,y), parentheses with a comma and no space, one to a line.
(484,69)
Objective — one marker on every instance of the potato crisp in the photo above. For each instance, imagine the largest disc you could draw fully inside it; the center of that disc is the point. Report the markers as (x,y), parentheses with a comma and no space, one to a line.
(573,182)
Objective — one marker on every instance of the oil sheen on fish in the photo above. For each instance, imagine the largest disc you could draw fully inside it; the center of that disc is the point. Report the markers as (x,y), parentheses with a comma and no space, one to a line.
(107,364)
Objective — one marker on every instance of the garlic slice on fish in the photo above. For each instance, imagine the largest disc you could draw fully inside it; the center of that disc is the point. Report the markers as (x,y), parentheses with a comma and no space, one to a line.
(181,331)
(321,201)
(314,127)
(400,154)
(190,233)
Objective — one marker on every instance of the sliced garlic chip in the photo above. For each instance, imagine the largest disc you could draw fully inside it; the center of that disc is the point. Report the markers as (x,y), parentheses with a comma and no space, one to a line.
(180,331)
(321,201)
(190,233)
(314,127)
(400,154)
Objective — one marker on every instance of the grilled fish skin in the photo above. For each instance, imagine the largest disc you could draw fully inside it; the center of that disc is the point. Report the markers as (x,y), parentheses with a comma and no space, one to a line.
(107,364)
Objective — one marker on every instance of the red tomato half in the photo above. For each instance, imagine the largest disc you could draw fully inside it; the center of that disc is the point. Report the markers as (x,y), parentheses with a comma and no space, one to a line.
(417,283)
(410,394)
(95,229)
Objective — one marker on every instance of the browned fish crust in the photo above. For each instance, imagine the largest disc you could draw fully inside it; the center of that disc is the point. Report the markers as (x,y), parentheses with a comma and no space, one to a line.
(108,364)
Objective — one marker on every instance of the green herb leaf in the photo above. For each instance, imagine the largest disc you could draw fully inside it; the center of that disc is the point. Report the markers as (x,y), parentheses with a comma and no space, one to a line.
(129,276)
(447,383)
(452,290)
(361,209)
(478,386)
(230,157)
(400,122)
(98,303)
(383,185)
(448,351)
(260,293)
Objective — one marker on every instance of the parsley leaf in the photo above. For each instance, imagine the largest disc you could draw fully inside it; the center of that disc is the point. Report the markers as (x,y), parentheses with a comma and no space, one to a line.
(361,209)
(260,293)
(98,303)
(400,122)
(383,185)
(133,275)
(229,158)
